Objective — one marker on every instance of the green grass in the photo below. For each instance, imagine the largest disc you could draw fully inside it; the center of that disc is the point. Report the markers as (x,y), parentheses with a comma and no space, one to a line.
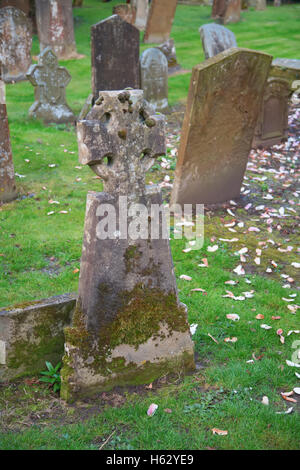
(40,253)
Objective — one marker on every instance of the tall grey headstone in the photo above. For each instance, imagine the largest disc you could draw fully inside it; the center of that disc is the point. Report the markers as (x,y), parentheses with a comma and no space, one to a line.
(154,78)
(15,44)
(223,105)
(215,39)
(115,55)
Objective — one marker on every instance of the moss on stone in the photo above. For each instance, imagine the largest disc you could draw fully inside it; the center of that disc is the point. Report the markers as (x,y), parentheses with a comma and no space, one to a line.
(140,318)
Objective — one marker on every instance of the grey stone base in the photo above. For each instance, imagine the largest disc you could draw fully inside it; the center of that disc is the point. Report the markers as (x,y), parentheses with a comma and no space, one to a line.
(32,333)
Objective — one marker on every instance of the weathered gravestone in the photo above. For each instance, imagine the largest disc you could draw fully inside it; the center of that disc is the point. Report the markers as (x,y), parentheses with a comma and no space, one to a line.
(7,175)
(168,48)
(126,11)
(55,27)
(261,5)
(160,20)
(15,44)
(215,39)
(128,326)
(226,11)
(272,124)
(154,78)
(50,82)
(115,55)
(23,5)
(142,8)
(223,105)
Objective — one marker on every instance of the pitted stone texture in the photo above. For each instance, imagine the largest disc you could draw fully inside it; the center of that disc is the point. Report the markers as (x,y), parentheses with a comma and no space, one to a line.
(154,78)
(115,55)
(272,125)
(160,20)
(120,129)
(33,333)
(23,5)
(7,175)
(129,326)
(226,11)
(55,27)
(224,101)
(169,50)
(126,11)
(15,44)
(215,39)
(50,83)
(123,284)
(142,9)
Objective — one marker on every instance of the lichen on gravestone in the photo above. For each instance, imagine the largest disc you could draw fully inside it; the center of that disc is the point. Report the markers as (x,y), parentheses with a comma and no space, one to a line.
(129,326)
(50,82)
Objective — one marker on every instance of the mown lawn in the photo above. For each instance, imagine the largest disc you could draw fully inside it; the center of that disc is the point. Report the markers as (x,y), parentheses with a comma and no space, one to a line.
(40,252)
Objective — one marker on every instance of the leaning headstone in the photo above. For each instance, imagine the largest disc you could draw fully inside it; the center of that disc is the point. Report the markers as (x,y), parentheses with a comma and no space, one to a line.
(154,78)
(129,327)
(7,175)
(160,20)
(215,39)
(142,8)
(126,11)
(50,82)
(226,11)
(15,44)
(55,27)
(115,55)
(272,125)
(169,50)
(224,101)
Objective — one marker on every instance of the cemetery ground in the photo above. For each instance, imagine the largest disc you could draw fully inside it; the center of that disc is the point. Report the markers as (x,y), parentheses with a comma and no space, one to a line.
(238,362)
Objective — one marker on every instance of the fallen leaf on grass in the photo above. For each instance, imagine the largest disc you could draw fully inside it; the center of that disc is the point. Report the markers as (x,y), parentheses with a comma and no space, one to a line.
(185,277)
(265,400)
(213,248)
(152,409)
(265,327)
(193,328)
(287,412)
(292,400)
(231,340)
(260,316)
(208,334)
(219,432)
(292,364)
(239,270)
(233,316)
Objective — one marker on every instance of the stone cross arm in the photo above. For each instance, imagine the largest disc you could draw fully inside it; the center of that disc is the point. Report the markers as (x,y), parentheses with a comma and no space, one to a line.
(47,71)
(120,139)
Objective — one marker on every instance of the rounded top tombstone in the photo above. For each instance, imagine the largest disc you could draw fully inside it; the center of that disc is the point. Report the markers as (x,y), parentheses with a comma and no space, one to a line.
(154,78)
